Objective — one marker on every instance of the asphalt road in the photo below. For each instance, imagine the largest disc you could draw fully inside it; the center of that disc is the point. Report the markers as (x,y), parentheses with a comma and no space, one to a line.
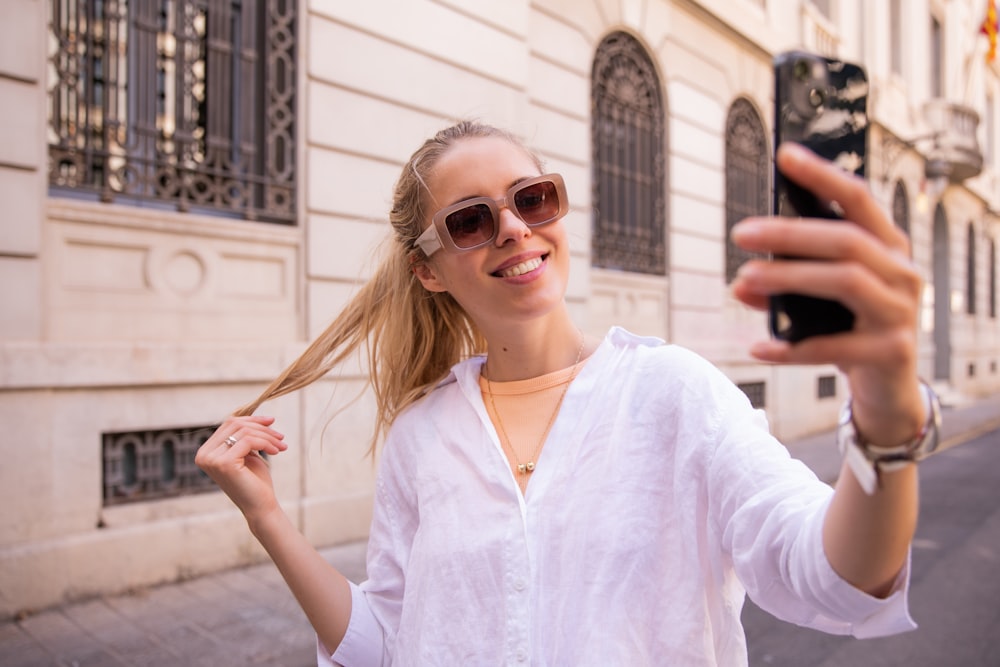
(955,585)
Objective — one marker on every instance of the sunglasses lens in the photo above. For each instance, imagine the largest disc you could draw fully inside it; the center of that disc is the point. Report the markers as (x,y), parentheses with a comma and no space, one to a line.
(470,226)
(537,203)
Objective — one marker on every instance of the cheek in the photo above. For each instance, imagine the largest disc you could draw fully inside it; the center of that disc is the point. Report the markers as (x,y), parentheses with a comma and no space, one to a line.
(456,276)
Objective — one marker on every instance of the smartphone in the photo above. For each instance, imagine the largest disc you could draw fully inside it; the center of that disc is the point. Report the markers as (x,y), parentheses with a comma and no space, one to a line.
(820,103)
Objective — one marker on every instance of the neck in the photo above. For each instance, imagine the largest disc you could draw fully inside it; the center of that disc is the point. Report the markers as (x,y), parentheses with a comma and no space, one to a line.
(532,350)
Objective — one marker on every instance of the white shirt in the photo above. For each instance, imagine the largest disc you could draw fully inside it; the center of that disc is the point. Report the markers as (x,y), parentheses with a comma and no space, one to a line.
(659,500)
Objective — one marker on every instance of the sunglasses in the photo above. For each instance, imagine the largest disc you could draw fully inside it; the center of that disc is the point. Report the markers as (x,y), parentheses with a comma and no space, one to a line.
(475,222)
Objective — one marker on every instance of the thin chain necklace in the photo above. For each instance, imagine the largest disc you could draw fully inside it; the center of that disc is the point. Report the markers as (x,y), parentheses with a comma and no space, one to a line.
(528,467)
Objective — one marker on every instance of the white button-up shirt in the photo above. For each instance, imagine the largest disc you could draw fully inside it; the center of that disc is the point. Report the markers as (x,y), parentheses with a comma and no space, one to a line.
(660,499)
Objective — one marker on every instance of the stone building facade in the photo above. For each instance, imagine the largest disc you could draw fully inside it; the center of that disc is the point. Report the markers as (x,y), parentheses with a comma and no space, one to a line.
(193,189)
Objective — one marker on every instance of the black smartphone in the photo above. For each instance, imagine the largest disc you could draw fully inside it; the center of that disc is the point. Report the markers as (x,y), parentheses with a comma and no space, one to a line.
(820,103)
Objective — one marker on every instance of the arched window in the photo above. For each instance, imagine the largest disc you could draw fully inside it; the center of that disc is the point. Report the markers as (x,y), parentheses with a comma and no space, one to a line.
(970,271)
(628,159)
(747,176)
(901,207)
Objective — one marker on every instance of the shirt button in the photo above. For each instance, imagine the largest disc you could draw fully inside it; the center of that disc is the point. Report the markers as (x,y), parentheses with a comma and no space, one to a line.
(522,655)
(519,584)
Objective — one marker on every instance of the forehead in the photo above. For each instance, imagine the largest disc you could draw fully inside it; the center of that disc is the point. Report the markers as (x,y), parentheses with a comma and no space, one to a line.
(479,167)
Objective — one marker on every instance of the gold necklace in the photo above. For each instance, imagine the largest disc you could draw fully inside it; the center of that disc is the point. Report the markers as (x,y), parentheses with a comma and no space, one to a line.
(528,467)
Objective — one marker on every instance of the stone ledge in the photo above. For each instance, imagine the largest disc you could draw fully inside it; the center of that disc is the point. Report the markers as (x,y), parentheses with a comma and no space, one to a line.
(34,365)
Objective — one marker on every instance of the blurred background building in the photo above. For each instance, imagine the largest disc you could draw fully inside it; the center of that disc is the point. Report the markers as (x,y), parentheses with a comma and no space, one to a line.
(191,190)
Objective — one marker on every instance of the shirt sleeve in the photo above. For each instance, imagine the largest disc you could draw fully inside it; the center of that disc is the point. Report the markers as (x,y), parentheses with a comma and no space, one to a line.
(363,643)
(771,509)
(376,604)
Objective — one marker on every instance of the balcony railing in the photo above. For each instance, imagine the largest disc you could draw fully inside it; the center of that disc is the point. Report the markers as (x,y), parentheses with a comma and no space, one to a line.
(956,154)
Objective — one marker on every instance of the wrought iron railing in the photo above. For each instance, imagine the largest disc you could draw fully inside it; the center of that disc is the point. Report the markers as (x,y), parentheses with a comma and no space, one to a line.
(184,103)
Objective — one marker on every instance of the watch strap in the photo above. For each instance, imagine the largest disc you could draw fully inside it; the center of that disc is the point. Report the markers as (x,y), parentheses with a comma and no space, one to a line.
(868,461)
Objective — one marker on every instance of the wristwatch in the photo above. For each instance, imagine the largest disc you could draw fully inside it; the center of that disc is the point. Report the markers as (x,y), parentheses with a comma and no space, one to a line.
(868,461)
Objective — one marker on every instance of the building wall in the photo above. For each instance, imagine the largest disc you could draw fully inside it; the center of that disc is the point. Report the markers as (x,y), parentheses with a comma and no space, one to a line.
(118,318)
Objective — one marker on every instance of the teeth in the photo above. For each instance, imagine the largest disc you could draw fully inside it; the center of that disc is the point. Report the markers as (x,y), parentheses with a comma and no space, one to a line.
(523,267)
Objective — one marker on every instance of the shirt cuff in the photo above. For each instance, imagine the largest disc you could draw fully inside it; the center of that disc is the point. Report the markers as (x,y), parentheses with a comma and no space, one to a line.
(878,617)
(363,644)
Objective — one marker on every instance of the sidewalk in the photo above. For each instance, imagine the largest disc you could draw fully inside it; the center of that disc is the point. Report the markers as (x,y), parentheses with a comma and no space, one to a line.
(247,617)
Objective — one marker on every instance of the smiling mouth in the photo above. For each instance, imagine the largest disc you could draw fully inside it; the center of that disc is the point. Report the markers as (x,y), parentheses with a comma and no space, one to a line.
(521,269)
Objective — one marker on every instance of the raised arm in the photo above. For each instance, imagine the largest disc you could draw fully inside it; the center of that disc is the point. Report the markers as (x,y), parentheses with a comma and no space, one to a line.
(866,266)
(230,458)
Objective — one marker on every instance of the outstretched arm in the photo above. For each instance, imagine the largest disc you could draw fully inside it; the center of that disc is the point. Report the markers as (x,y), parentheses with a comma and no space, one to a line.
(230,458)
(866,266)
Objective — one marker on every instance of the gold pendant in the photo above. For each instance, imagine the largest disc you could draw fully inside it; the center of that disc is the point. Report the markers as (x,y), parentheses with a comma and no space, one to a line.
(530,466)
(522,469)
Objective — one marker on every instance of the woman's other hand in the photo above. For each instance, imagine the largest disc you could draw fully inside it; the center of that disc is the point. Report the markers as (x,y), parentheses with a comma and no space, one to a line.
(230,457)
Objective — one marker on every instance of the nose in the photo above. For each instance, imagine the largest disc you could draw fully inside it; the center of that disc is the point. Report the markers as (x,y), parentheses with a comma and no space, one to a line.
(511,228)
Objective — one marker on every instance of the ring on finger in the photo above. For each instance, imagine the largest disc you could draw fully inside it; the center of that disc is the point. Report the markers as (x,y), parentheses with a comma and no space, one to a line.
(230,441)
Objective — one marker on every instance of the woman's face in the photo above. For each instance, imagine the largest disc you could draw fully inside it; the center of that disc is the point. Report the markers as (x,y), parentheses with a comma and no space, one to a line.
(523,274)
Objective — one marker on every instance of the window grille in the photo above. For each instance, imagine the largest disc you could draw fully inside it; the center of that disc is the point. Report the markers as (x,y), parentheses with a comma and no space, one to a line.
(755,392)
(628,159)
(747,176)
(146,465)
(185,104)
(970,271)
(901,207)
(826,386)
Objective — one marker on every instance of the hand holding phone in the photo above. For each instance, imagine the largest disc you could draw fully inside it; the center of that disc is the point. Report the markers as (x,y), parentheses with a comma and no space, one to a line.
(820,103)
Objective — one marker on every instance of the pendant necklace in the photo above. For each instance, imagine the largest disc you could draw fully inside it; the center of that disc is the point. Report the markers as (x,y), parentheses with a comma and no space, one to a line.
(528,467)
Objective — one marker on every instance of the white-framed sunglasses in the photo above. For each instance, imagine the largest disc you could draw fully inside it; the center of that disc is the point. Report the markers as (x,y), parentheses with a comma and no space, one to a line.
(475,222)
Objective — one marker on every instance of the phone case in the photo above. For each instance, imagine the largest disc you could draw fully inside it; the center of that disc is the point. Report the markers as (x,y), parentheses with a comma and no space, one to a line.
(820,103)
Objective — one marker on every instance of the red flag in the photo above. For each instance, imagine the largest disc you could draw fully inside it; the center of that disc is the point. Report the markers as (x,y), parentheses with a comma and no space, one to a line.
(989,28)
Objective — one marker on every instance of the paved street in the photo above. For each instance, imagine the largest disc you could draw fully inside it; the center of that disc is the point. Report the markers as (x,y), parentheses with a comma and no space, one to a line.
(247,617)
(955,594)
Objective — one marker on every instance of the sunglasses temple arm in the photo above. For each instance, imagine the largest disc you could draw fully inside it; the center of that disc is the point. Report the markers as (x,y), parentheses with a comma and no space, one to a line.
(429,241)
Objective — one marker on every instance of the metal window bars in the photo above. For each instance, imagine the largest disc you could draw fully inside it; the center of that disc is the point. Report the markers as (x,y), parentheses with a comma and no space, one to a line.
(187,104)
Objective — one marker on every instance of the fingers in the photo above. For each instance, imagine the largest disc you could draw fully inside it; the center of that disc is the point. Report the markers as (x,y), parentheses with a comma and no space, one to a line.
(833,184)
(239,437)
(862,261)
(877,300)
(893,347)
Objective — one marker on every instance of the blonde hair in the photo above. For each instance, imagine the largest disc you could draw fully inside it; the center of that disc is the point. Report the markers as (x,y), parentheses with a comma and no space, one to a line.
(413,336)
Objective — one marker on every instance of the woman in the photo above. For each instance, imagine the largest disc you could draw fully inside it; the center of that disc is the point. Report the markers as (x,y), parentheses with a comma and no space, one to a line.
(569,501)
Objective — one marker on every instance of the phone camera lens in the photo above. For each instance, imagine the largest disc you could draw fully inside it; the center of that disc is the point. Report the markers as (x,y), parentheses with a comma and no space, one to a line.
(801,70)
(816,97)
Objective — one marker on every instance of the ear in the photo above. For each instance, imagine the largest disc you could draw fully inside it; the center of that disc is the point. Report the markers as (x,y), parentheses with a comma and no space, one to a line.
(426,275)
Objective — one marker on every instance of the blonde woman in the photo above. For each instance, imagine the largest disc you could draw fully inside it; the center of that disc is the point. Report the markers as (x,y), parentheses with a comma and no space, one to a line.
(551,499)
